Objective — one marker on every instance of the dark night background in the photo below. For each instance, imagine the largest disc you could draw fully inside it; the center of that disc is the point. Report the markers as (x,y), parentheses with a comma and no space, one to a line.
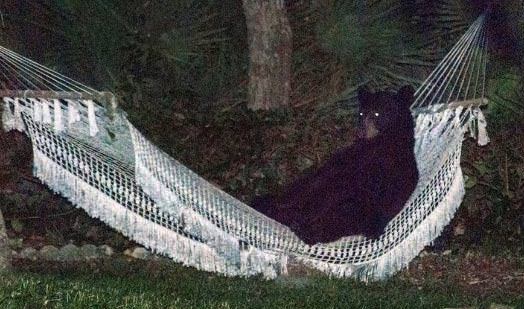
(181,71)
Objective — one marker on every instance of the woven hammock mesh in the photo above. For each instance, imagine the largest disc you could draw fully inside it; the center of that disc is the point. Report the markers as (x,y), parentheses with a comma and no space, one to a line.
(104,165)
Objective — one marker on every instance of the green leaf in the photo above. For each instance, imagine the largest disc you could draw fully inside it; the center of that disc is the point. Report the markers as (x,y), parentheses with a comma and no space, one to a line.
(471,181)
(481,167)
(17,225)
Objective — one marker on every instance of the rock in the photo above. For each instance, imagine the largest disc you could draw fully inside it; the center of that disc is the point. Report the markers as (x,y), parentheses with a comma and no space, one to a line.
(69,253)
(141,253)
(499,306)
(128,252)
(138,253)
(106,250)
(446,252)
(50,253)
(297,269)
(89,252)
(29,254)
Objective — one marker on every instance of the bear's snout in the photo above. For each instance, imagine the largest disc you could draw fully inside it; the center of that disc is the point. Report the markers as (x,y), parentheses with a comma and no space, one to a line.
(368,129)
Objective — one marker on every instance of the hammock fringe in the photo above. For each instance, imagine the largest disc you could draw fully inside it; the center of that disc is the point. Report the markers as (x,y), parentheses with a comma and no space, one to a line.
(399,257)
(154,236)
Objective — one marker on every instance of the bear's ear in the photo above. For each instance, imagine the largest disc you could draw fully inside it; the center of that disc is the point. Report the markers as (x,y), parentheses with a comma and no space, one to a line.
(406,95)
(363,95)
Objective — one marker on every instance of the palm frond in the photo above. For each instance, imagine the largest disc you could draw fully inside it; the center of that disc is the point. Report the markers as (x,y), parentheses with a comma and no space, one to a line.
(371,39)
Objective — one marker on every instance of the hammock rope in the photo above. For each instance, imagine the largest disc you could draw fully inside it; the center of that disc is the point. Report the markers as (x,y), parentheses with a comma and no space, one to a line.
(83,151)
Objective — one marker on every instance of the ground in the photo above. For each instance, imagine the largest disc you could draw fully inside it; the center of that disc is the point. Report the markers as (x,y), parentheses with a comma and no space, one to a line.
(120,283)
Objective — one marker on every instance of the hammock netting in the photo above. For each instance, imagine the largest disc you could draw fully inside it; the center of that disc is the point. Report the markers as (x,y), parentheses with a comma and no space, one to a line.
(86,150)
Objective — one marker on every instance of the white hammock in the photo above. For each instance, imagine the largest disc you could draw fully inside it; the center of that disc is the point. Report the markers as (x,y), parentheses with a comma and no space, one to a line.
(93,156)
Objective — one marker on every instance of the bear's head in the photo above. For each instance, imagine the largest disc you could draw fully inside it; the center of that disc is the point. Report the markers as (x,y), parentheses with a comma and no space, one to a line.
(384,112)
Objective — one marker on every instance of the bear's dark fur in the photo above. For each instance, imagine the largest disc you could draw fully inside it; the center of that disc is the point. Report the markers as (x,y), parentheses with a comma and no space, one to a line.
(360,188)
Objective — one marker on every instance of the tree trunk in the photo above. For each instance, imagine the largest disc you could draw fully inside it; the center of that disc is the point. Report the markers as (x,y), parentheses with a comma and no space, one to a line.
(270,46)
(5,251)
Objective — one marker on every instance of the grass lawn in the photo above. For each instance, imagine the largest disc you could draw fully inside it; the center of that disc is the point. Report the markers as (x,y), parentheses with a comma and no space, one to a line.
(162,284)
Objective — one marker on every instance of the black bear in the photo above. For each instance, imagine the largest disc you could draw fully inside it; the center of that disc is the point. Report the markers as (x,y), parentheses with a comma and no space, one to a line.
(360,188)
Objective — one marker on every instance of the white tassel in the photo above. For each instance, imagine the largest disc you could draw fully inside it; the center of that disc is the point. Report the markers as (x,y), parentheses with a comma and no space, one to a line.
(472,126)
(93,128)
(482,137)
(46,112)
(218,241)
(19,122)
(8,118)
(12,116)
(59,124)
(152,235)
(72,112)
(37,110)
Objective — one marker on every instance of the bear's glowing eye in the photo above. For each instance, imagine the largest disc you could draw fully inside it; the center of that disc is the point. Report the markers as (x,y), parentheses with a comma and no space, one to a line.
(377,114)
(361,114)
